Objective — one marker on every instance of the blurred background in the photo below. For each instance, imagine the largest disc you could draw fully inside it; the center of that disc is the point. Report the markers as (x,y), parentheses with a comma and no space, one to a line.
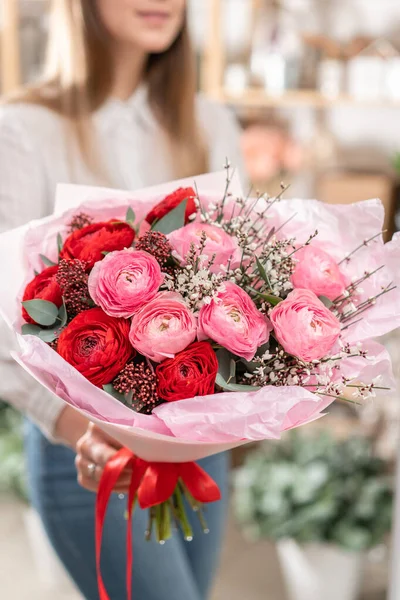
(316,87)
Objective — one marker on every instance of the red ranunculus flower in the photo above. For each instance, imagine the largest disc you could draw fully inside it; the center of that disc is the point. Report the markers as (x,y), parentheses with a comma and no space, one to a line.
(96,345)
(89,243)
(190,373)
(171,202)
(43,287)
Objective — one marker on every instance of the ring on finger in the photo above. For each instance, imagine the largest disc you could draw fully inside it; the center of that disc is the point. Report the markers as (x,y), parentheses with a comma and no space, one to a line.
(92,470)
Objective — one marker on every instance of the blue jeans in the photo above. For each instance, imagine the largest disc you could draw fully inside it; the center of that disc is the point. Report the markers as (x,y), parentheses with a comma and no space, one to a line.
(178,570)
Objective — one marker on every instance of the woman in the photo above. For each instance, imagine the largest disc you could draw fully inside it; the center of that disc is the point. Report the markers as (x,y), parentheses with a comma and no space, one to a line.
(118,108)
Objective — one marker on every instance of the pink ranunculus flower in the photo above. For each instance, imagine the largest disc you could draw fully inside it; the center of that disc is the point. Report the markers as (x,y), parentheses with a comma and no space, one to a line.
(317,271)
(163,327)
(304,326)
(124,280)
(218,242)
(233,321)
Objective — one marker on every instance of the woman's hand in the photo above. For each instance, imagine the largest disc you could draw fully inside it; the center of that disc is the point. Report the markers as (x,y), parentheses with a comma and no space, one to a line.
(93,451)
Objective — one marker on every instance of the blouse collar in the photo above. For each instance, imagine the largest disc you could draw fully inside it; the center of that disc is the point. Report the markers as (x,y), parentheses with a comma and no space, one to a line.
(134,108)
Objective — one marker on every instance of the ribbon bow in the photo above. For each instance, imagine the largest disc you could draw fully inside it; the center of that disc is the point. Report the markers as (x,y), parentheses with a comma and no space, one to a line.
(152,483)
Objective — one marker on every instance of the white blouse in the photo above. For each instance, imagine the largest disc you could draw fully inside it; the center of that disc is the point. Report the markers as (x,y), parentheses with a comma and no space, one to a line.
(34,158)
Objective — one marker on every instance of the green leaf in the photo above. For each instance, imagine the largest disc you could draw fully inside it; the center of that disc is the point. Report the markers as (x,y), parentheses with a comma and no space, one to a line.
(41,311)
(105,252)
(274,300)
(47,261)
(173,220)
(262,271)
(234,387)
(62,314)
(232,372)
(36,272)
(130,215)
(29,329)
(224,363)
(59,243)
(325,301)
(270,234)
(250,365)
(109,388)
(48,335)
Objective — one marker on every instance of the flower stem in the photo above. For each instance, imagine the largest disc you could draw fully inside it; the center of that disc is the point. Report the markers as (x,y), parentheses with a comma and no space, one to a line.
(339,398)
(149,529)
(365,243)
(159,525)
(197,508)
(166,520)
(181,512)
(353,286)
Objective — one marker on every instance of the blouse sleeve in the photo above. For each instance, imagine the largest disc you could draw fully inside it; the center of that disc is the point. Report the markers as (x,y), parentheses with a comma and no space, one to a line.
(22,198)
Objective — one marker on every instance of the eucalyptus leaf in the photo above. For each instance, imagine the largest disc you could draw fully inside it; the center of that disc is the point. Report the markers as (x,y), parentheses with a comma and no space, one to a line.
(105,252)
(47,261)
(29,329)
(234,387)
(274,300)
(173,220)
(48,335)
(59,243)
(42,312)
(128,398)
(36,273)
(130,215)
(325,301)
(62,315)
(109,388)
(232,372)
(224,358)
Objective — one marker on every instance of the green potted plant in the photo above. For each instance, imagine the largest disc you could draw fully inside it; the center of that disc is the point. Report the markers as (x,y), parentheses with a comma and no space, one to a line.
(13,484)
(12,466)
(325,502)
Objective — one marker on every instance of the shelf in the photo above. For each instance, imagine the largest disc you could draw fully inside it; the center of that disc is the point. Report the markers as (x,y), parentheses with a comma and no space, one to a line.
(257,98)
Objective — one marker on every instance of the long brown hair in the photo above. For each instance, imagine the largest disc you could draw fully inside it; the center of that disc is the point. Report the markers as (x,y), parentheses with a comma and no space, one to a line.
(79,78)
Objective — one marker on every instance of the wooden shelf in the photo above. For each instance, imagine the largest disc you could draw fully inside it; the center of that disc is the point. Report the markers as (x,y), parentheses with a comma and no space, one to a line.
(257,98)
(9,42)
(10,59)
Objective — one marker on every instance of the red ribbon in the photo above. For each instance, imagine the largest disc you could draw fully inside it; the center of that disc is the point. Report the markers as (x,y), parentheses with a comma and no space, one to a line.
(152,484)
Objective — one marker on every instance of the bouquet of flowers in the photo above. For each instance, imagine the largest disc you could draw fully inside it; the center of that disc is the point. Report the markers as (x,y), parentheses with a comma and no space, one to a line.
(188,319)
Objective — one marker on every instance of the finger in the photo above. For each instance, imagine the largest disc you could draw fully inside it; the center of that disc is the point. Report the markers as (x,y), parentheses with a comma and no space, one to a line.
(93,486)
(102,435)
(83,468)
(87,483)
(95,451)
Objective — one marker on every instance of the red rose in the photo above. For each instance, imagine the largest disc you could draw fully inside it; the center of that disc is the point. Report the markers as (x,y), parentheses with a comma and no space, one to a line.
(171,202)
(96,345)
(191,373)
(89,243)
(43,287)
